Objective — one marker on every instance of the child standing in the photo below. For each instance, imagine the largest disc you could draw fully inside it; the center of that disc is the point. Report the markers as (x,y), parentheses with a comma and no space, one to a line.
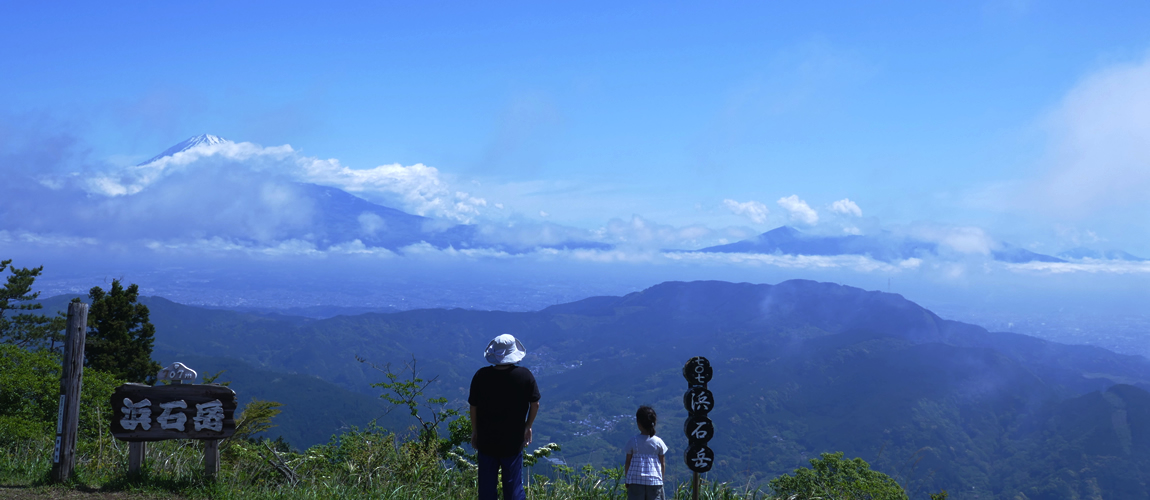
(646,459)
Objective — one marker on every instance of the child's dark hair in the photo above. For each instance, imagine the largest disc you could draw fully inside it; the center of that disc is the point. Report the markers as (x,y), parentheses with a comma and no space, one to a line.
(646,418)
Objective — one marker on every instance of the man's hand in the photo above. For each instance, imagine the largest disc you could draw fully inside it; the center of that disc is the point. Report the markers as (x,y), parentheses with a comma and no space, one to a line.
(526,437)
(474,442)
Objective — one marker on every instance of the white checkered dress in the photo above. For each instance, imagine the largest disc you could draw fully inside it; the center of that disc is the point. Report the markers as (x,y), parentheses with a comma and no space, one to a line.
(645,452)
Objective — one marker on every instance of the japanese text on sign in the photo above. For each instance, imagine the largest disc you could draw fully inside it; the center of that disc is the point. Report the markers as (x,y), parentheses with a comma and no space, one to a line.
(698,401)
(182,411)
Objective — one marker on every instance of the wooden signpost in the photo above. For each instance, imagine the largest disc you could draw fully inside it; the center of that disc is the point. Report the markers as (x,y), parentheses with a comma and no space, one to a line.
(698,427)
(68,416)
(144,413)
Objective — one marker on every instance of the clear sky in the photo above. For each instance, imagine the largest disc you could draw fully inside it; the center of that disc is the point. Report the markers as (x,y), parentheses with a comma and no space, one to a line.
(1025,121)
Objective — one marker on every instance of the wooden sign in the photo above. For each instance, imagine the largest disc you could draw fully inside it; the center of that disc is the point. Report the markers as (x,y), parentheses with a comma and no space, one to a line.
(698,372)
(698,400)
(699,458)
(146,413)
(698,427)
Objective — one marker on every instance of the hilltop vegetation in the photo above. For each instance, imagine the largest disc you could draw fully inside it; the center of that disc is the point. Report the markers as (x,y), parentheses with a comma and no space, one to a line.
(802,368)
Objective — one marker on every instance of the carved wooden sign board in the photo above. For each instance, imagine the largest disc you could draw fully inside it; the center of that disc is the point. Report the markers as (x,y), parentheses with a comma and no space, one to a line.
(698,427)
(186,411)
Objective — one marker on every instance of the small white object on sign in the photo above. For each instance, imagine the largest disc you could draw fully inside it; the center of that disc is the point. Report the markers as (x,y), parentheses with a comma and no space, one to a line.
(178,373)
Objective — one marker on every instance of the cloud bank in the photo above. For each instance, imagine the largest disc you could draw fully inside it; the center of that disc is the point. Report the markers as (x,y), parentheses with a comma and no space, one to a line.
(753,210)
(799,210)
(846,207)
(221,198)
(1100,132)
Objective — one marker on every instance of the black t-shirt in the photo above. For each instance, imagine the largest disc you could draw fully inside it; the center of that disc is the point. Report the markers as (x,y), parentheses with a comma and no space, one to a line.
(502,398)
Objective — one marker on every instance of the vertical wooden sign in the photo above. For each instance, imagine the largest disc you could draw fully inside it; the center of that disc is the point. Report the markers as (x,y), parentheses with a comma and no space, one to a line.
(71,379)
(699,429)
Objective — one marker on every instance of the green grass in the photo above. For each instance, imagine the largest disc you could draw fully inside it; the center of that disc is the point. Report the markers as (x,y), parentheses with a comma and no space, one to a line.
(369,463)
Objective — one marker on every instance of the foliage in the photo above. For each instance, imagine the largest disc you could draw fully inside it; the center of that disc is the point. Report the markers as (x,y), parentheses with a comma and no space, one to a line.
(832,476)
(367,463)
(120,337)
(29,396)
(256,417)
(406,389)
(24,328)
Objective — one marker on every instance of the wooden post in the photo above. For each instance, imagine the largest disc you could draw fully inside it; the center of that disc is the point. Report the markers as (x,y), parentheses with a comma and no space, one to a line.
(211,458)
(695,486)
(71,379)
(136,452)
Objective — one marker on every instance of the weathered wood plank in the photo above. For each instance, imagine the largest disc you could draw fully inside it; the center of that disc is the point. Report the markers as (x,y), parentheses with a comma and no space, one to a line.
(137,450)
(68,418)
(211,458)
(204,411)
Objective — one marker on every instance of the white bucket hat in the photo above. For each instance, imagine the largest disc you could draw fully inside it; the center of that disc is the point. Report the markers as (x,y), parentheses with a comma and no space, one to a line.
(504,350)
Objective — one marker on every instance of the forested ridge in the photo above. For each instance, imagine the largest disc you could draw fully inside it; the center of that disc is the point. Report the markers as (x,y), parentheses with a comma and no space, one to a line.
(802,368)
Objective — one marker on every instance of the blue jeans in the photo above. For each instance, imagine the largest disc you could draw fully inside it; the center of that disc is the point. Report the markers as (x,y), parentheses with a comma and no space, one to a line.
(512,476)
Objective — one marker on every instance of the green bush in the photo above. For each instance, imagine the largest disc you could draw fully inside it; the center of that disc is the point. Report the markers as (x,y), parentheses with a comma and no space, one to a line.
(30,396)
(832,476)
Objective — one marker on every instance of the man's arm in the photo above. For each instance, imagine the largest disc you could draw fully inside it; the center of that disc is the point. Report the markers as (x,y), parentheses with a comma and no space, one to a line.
(530,420)
(474,427)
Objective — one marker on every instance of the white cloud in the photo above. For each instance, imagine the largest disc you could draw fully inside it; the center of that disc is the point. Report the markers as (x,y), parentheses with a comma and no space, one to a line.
(846,207)
(753,210)
(371,223)
(857,263)
(799,210)
(1093,267)
(418,188)
(642,233)
(1100,134)
(962,239)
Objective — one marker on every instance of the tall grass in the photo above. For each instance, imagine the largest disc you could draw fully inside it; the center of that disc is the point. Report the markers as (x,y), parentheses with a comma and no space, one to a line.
(369,463)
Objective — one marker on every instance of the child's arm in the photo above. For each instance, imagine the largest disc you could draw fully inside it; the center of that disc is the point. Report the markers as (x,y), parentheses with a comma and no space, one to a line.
(626,466)
(662,465)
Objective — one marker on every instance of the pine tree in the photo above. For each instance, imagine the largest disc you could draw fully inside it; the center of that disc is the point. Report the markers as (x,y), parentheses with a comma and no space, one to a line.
(120,336)
(22,327)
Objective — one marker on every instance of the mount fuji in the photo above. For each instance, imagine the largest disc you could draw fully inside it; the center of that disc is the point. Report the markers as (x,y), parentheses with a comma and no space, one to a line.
(337,217)
(192,142)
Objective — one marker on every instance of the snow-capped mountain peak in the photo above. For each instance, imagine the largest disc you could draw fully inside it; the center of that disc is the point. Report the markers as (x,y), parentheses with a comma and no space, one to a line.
(199,140)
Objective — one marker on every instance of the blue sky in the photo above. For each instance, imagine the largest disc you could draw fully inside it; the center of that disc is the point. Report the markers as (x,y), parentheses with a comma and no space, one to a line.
(1022,121)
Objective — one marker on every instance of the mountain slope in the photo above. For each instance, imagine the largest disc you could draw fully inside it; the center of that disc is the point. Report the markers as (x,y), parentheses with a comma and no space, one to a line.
(800,368)
(189,143)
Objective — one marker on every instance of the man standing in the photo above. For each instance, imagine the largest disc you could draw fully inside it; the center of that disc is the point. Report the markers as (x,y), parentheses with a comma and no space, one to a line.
(504,399)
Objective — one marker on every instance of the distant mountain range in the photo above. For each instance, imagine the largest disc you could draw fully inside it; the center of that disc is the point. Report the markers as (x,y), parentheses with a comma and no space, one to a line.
(1087,253)
(341,217)
(884,246)
(800,368)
